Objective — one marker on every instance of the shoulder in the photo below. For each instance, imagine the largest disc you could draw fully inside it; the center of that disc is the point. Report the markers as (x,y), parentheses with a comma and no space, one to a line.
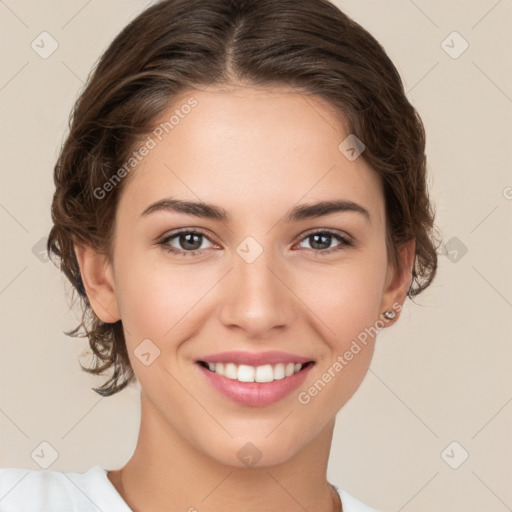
(352,504)
(57,491)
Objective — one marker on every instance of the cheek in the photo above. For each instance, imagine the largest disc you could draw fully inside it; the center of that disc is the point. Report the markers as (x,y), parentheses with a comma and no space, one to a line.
(158,300)
(344,300)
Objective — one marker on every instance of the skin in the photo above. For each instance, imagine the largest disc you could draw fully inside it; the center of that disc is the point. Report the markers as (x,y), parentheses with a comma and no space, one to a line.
(241,148)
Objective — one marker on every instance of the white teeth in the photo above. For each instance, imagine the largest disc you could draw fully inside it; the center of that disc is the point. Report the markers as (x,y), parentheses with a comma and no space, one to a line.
(279,371)
(231,371)
(246,373)
(289,370)
(264,373)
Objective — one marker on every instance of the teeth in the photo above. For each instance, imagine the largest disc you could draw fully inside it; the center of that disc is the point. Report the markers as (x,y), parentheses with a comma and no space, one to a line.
(231,371)
(246,373)
(264,373)
(279,371)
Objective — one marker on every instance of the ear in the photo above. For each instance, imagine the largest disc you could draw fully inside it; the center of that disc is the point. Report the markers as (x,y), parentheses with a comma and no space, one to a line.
(398,280)
(97,277)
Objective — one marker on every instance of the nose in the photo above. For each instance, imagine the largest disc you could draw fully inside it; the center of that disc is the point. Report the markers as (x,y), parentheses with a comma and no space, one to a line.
(256,298)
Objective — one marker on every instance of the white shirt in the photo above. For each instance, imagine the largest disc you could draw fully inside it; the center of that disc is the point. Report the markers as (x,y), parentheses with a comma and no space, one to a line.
(28,490)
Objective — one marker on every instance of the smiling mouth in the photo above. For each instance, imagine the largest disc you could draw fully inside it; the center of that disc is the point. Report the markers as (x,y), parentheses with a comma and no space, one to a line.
(264,373)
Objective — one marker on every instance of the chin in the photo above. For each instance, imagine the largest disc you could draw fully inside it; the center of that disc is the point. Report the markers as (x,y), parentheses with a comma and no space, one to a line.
(256,451)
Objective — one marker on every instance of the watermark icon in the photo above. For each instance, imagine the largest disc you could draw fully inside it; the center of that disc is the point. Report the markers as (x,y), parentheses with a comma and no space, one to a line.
(351,147)
(507,192)
(39,250)
(150,143)
(304,397)
(454,45)
(44,455)
(249,249)
(454,249)
(249,454)
(146,352)
(454,455)
(44,45)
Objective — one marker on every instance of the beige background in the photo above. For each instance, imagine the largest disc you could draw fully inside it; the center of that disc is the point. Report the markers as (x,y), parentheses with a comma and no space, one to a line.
(442,374)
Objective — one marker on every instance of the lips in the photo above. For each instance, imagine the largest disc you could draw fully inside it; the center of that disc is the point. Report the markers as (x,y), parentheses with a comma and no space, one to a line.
(254,394)
(255,379)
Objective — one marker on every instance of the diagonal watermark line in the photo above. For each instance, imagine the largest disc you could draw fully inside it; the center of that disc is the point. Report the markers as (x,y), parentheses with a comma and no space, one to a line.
(13,487)
(405,504)
(76,14)
(491,286)
(200,200)
(14,218)
(370,370)
(492,81)
(14,76)
(166,333)
(82,417)
(199,403)
(480,430)
(12,280)
(421,79)
(303,195)
(13,13)
(286,417)
(499,1)
(300,299)
(286,491)
(490,490)
(304,97)
(484,218)
(217,486)
(424,14)
(84,493)
(72,71)
(14,423)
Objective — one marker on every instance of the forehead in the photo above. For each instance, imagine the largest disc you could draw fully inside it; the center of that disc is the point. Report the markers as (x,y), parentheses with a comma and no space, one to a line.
(246,148)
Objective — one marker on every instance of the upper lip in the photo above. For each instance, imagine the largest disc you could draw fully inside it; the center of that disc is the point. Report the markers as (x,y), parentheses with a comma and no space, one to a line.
(254,358)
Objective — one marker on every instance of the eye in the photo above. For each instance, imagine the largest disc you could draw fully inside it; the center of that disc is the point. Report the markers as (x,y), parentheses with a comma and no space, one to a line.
(189,242)
(320,240)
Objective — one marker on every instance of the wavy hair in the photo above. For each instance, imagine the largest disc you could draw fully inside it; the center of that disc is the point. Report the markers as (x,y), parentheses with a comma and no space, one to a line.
(176,45)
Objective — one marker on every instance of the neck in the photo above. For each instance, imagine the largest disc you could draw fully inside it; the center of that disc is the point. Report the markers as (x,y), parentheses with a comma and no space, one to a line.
(166,473)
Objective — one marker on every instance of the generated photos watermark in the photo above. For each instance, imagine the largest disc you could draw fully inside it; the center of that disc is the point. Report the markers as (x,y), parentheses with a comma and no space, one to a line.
(357,345)
(151,142)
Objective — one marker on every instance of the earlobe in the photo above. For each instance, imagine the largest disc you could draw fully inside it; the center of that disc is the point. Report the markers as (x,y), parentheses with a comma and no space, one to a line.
(97,277)
(398,280)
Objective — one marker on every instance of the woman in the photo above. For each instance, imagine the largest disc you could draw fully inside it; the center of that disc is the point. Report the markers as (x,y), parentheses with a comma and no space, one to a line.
(241,205)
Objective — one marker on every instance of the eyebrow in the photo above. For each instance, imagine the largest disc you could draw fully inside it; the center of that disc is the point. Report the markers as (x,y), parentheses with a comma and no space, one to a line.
(301,212)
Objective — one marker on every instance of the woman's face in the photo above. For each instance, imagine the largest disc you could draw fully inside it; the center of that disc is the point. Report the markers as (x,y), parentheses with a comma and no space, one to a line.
(256,281)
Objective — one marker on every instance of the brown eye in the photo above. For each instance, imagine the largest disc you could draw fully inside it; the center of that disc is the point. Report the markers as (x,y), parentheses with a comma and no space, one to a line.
(321,241)
(186,242)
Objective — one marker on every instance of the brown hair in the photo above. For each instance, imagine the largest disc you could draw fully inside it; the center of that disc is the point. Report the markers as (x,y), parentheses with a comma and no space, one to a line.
(176,45)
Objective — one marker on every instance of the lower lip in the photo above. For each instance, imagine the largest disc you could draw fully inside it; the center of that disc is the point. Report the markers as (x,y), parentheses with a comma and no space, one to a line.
(255,394)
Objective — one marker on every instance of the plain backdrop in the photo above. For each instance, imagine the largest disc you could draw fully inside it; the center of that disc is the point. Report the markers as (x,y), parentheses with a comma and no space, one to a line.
(429,429)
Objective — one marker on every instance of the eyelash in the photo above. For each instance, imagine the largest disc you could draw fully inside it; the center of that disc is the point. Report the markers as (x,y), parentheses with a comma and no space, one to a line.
(344,242)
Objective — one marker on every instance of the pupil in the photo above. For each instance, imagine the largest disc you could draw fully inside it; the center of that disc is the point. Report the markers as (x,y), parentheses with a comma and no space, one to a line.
(315,241)
(187,243)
